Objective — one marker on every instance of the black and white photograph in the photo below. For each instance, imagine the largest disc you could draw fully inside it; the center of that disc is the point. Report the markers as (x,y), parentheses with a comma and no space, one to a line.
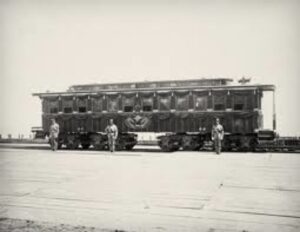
(141,116)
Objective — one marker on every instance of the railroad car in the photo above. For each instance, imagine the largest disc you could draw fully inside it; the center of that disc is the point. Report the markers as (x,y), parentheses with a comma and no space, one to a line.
(184,110)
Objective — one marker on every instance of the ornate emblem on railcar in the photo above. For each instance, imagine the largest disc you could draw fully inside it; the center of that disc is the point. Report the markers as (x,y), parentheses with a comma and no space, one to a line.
(137,121)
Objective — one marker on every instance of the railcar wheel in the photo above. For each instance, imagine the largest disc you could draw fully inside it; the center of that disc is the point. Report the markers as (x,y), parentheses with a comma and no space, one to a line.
(59,145)
(85,146)
(97,142)
(190,144)
(165,144)
(72,142)
(237,145)
(226,146)
(253,144)
(129,147)
(72,145)
(175,148)
(119,147)
(186,143)
(99,147)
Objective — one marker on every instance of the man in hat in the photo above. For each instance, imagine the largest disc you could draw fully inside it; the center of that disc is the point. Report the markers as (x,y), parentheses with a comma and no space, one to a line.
(53,134)
(217,136)
(112,134)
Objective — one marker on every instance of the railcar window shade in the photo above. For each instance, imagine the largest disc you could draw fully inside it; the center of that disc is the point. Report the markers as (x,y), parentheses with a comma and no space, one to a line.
(164,103)
(239,102)
(147,104)
(53,110)
(67,110)
(128,108)
(201,103)
(238,106)
(182,103)
(128,103)
(219,106)
(219,101)
(113,104)
(147,108)
(81,109)
(97,104)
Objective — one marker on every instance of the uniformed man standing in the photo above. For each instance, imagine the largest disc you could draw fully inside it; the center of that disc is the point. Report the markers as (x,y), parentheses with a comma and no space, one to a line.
(112,134)
(217,136)
(53,134)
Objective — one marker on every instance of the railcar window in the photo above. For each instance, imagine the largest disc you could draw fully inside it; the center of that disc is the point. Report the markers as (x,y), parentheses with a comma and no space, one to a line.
(164,103)
(54,110)
(128,108)
(147,108)
(238,106)
(67,105)
(82,105)
(200,103)
(182,103)
(128,103)
(219,107)
(97,104)
(147,103)
(67,110)
(81,109)
(239,102)
(219,102)
(50,106)
(112,104)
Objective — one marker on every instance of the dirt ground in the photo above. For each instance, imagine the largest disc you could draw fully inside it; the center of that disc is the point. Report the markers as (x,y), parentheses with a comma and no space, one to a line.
(18,225)
(139,190)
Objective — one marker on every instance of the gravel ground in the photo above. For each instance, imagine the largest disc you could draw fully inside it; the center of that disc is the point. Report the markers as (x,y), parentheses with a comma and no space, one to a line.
(19,225)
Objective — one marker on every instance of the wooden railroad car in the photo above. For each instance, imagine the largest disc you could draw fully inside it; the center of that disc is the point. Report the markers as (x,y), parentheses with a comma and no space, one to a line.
(184,110)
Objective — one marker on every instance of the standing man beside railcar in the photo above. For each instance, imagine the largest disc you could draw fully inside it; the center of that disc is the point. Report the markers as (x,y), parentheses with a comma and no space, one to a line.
(53,134)
(217,136)
(112,135)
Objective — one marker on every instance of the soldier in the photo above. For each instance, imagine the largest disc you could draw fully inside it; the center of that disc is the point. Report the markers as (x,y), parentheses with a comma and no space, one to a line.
(217,136)
(112,134)
(53,134)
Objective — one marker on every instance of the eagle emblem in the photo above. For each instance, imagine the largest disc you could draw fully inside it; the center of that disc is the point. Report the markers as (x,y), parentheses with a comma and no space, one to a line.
(137,122)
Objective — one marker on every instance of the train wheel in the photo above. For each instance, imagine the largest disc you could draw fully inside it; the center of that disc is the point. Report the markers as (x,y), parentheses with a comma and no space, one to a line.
(129,147)
(226,145)
(165,144)
(59,145)
(72,145)
(72,142)
(119,147)
(186,143)
(190,144)
(253,144)
(97,142)
(85,146)
(99,147)
(175,148)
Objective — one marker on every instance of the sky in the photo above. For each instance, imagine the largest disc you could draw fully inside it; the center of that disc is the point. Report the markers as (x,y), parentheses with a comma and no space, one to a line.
(50,45)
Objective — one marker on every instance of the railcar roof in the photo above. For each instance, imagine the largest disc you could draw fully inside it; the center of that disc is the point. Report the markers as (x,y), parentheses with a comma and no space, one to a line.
(241,87)
(162,83)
